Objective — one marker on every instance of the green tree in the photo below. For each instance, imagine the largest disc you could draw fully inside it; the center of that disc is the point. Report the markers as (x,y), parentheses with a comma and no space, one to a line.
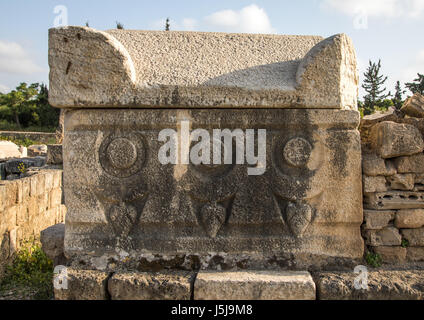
(21,101)
(397,98)
(119,26)
(373,84)
(167,25)
(47,115)
(417,86)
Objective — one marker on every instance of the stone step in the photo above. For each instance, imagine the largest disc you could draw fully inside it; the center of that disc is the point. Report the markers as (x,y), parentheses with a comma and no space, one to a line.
(254,285)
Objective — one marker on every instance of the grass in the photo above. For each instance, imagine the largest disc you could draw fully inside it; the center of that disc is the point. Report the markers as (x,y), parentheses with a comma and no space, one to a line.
(30,275)
(27,142)
(373,259)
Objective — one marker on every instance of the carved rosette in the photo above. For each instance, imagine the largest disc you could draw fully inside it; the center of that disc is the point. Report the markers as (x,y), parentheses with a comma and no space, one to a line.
(122,155)
(297,158)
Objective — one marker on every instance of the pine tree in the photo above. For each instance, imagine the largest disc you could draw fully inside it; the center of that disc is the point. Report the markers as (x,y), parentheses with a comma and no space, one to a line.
(167,25)
(397,98)
(373,86)
(119,26)
(417,86)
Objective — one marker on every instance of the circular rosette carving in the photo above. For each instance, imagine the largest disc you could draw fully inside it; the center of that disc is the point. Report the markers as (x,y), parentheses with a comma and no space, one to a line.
(297,155)
(122,155)
(297,152)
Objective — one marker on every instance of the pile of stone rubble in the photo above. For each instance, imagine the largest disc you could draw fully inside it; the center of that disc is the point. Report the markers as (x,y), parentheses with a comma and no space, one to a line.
(393,182)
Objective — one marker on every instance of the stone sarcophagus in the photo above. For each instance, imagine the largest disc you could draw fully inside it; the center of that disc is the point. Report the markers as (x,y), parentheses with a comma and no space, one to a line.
(143,107)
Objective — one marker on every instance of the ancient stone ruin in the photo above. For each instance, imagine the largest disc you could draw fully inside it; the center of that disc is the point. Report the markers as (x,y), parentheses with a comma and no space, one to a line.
(130,215)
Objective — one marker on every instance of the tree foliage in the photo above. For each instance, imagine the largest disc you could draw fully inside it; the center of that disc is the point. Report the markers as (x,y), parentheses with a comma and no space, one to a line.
(397,98)
(417,86)
(28,105)
(373,85)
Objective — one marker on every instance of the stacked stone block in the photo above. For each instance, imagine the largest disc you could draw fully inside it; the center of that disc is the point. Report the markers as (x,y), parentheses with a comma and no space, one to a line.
(28,206)
(393,185)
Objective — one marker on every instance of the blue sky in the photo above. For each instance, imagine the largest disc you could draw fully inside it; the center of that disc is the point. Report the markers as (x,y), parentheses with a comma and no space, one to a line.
(386,29)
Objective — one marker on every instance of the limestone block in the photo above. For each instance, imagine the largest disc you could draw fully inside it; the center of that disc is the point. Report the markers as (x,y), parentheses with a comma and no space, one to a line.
(55,197)
(374,184)
(57,179)
(9,150)
(254,285)
(406,219)
(54,154)
(373,165)
(83,285)
(415,237)
(37,150)
(376,219)
(52,240)
(390,139)
(48,177)
(227,70)
(385,237)
(411,164)
(122,200)
(402,181)
(414,106)
(382,285)
(394,200)
(377,117)
(3,197)
(415,254)
(391,254)
(172,285)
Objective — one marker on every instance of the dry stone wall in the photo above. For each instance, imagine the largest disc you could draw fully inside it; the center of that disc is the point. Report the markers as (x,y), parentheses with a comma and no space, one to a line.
(28,206)
(393,183)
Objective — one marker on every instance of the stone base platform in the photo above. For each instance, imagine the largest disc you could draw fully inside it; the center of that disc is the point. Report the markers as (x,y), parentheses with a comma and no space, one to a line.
(184,285)
(241,285)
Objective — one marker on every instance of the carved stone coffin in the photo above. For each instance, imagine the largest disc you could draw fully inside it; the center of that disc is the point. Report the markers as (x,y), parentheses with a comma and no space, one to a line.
(122,88)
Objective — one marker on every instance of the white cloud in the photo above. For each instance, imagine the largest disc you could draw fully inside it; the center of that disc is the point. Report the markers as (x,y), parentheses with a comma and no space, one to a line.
(4,89)
(250,19)
(377,8)
(14,59)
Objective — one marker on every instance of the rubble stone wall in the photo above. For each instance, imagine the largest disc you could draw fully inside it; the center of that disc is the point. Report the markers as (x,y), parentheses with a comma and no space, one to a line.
(28,206)
(393,184)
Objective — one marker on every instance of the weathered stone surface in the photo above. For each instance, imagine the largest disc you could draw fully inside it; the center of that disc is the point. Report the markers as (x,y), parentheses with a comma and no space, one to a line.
(394,200)
(401,181)
(382,285)
(374,184)
(227,70)
(37,150)
(151,286)
(391,254)
(52,240)
(390,139)
(415,254)
(373,165)
(385,237)
(376,219)
(9,150)
(377,117)
(197,210)
(411,164)
(54,154)
(254,285)
(414,106)
(415,237)
(413,218)
(84,285)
